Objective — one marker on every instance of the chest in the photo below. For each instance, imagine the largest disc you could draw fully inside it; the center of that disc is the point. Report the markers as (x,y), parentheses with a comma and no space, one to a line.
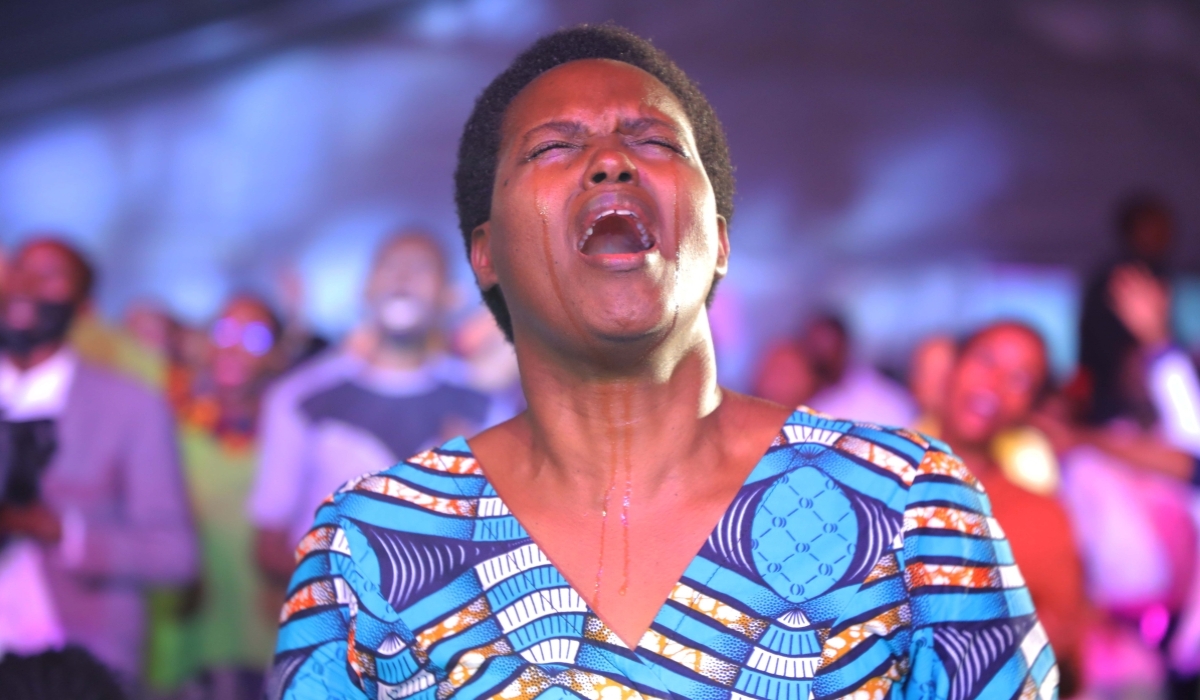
(86,470)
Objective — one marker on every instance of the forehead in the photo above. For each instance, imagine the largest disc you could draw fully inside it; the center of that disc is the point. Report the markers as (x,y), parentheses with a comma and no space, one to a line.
(411,247)
(45,254)
(588,89)
(1009,341)
(247,309)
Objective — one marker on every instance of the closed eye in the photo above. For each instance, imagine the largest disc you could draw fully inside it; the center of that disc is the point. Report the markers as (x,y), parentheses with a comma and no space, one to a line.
(665,143)
(548,146)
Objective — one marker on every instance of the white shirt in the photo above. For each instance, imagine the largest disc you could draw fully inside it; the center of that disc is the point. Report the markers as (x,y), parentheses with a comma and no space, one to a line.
(1175,391)
(38,392)
(28,621)
(866,395)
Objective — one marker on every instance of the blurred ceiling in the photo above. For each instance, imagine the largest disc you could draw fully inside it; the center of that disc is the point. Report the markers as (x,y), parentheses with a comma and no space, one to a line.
(876,143)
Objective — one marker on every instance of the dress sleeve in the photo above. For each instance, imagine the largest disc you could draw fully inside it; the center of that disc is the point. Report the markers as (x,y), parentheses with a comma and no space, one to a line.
(338,637)
(974,630)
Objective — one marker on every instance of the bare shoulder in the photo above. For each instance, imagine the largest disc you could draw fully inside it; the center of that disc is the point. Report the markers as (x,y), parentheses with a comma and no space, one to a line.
(503,444)
(747,423)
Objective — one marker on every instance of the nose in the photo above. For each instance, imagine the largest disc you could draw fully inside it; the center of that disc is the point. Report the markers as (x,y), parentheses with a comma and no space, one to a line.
(611,165)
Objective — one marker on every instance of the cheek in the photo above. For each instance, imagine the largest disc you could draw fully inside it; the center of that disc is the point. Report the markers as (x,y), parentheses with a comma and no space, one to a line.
(694,218)
(519,243)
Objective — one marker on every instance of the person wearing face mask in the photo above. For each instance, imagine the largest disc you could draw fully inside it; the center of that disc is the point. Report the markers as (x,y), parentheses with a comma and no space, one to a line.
(391,391)
(92,484)
(993,387)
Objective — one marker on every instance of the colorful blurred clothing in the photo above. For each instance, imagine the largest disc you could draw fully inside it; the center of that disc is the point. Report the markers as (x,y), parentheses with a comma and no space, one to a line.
(864,394)
(854,560)
(231,627)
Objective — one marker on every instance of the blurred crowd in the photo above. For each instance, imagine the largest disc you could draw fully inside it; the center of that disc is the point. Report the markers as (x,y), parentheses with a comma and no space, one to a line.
(1093,479)
(157,479)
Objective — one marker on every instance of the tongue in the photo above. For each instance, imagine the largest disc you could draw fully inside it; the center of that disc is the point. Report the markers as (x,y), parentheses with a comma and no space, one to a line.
(614,235)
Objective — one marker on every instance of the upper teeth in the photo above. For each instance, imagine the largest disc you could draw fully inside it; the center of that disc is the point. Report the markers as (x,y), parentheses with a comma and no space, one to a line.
(646,240)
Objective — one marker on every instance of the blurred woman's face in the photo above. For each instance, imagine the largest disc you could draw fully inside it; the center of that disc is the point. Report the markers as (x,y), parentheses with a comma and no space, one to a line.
(603,222)
(994,384)
(242,344)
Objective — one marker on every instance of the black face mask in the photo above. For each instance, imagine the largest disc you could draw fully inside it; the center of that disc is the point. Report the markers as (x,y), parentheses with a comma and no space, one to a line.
(53,322)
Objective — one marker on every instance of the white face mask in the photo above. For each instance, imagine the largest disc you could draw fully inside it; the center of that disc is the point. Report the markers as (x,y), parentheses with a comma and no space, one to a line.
(403,317)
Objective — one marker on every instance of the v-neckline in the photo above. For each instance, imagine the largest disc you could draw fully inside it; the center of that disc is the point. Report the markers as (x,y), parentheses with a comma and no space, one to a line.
(658,613)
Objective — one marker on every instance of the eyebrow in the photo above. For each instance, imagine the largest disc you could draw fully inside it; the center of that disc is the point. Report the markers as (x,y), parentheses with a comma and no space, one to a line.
(563,127)
(571,128)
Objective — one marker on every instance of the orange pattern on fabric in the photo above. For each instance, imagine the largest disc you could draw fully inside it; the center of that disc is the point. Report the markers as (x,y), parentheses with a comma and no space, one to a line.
(696,660)
(881,625)
(475,611)
(879,456)
(450,464)
(941,464)
(318,539)
(921,574)
(310,596)
(886,566)
(469,663)
(913,437)
(719,612)
(392,488)
(945,518)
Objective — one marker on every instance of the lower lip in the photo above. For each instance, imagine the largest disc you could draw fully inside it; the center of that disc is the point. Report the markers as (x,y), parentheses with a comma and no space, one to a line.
(620,262)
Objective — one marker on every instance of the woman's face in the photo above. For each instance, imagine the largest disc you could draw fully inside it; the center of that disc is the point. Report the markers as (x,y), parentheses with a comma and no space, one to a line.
(994,384)
(603,224)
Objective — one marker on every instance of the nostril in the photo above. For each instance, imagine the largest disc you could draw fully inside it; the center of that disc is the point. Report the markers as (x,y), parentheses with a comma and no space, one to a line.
(598,178)
(624,177)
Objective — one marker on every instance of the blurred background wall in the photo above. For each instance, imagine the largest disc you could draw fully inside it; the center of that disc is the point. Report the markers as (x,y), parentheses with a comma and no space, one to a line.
(919,167)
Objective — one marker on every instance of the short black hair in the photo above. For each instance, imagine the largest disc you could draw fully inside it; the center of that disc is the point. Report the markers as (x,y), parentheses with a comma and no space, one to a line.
(479,147)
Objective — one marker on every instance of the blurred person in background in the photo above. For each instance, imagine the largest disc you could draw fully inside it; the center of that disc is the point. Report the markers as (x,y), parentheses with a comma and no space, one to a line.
(153,326)
(1145,231)
(298,343)
(785,375)
(491,363)
(932,362)
(226,627)
(994,385)
(392,391)
(1138,534)
(92,486)
(849,387)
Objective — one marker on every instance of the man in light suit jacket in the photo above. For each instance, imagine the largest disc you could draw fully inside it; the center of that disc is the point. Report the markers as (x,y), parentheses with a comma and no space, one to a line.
(108,513)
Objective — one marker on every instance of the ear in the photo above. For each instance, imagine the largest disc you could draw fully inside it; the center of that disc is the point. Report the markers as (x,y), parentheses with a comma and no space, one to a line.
(722,247)
(481,256)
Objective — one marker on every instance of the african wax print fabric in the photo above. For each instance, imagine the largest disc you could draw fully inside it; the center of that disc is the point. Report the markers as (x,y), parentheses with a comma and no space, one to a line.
(856,561)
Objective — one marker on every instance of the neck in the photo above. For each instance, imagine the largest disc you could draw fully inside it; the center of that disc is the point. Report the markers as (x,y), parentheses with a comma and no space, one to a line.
(974,454)
(36,355)
(387,354)
(238,407)
(648,417)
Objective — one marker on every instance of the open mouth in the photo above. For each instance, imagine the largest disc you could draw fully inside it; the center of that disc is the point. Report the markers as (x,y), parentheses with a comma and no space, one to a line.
(616,232)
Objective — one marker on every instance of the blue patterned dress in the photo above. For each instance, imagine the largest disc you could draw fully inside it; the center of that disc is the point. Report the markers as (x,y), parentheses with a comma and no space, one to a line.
(855,561)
